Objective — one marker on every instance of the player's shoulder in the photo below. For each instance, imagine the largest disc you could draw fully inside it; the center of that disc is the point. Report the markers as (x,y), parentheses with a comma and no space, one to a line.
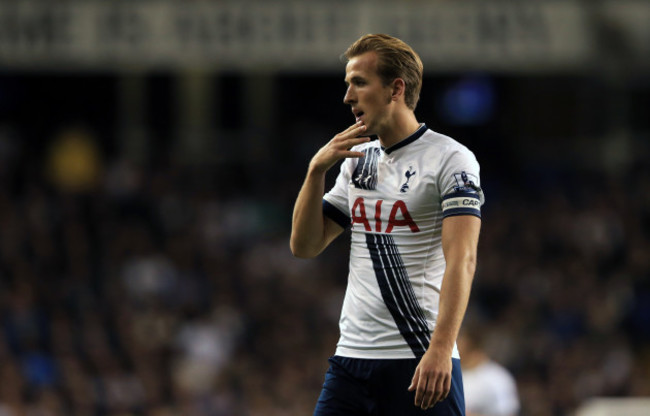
(445,153)
(443,143)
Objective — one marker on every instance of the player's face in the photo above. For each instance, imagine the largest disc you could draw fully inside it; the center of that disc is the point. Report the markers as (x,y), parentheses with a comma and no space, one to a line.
(367,96)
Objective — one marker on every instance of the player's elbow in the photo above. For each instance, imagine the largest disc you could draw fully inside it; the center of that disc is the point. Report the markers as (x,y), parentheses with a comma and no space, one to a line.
(303,254)
(302,251)
(299,252)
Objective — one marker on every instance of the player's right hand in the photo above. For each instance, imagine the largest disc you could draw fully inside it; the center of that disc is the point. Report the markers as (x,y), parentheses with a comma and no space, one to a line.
(339,148)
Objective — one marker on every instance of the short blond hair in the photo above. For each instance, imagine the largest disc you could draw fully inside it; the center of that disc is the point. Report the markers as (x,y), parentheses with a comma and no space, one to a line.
(396,59)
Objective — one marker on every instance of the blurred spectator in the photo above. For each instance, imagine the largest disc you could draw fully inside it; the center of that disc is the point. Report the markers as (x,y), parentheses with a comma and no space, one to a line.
(74,161)
(205,345)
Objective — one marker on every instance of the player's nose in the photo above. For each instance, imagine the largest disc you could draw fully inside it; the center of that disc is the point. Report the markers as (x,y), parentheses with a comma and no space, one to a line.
(350,97)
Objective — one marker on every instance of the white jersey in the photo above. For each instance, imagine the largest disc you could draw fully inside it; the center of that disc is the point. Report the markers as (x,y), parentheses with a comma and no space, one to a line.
(490,390)
(395,199)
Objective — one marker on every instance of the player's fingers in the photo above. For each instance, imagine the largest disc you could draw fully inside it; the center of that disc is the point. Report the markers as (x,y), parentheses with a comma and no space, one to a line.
(422,392)
(347,144)
(427,396)
(350,143)
(351,132)
(414,380)
(352,127)
(358,129)
(436,391)
(440,389)
(447,386)
(419,390)
(426,388)
(350,154)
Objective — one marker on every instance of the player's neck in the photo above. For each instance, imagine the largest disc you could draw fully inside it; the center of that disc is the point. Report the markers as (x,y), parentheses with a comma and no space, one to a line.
(404,124)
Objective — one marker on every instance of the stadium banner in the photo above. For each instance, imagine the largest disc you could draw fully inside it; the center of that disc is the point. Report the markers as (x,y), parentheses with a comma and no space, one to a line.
(291,35)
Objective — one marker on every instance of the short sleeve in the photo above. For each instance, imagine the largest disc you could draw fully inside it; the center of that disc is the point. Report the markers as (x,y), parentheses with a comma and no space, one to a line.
(460,184)
(335,201)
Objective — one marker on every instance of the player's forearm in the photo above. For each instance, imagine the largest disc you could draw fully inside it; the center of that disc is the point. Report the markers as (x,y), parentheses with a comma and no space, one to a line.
(308,229)
(454,297)
(459,245)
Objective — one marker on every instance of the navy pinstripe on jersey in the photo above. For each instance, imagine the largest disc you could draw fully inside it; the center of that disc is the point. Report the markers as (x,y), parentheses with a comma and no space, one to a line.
(365,174)
(397,292)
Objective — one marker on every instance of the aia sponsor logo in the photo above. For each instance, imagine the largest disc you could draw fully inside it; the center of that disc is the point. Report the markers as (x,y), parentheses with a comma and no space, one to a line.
(399,217)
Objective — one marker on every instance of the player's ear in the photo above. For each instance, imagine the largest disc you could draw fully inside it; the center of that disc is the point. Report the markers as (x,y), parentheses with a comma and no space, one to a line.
(399,86)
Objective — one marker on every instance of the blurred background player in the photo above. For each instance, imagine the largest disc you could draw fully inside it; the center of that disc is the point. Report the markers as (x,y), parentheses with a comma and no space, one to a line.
(490,388)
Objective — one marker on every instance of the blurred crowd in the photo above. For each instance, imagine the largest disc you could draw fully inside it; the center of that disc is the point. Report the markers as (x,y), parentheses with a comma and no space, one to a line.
(161,290)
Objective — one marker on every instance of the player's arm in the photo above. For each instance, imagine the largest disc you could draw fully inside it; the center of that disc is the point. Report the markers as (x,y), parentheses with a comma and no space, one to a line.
(432,379)
(311,231)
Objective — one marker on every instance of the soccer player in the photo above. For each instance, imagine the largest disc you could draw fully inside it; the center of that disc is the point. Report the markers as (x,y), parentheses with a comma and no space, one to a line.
(490,388)
(412,198)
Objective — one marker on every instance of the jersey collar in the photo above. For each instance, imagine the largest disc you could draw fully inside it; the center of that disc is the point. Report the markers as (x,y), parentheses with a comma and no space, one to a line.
(413,137)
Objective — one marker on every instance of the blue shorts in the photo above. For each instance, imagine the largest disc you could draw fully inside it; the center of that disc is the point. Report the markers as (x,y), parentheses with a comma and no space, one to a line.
(363,387)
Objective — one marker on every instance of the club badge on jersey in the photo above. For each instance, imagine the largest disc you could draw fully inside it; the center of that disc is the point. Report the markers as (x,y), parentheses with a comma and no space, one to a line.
(408,174)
